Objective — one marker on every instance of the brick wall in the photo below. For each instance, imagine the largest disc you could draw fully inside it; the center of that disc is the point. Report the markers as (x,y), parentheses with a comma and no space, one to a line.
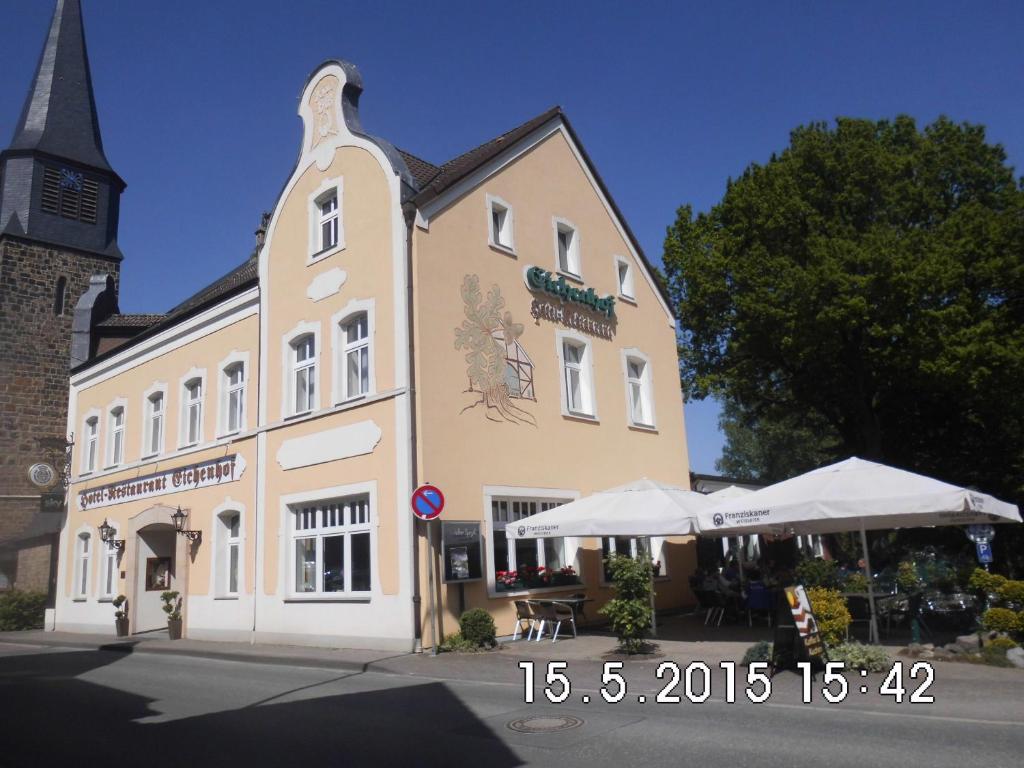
(34,350)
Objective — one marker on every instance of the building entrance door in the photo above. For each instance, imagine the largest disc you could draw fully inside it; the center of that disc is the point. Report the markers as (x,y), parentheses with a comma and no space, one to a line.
(155,574)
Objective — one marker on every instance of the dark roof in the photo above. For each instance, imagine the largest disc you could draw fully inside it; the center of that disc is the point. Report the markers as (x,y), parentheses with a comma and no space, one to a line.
(421,170)
(238,279)
(59,116)
(463,165)
(131,321)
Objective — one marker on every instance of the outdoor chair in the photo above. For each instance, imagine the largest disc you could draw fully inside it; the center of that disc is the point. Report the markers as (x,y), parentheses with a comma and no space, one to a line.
(714,603)
(860,612)
(581,596)
(759,600)
(524,612)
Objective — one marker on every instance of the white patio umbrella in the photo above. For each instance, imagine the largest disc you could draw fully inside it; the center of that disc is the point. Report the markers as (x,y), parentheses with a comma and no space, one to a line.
(641,508)
(854,495)
(723,494)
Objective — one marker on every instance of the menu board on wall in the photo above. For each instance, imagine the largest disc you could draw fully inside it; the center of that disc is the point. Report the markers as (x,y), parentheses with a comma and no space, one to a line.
(462,551)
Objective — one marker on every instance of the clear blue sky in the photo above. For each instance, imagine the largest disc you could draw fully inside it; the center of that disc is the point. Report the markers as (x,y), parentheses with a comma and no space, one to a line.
(197,99)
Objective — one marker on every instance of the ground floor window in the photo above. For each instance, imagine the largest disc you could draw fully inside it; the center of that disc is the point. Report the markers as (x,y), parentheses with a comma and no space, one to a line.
(634,547)
(331,544)
(521,564)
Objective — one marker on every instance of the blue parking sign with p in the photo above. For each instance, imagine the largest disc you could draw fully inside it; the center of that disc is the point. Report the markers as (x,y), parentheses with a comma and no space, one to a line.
(984,552)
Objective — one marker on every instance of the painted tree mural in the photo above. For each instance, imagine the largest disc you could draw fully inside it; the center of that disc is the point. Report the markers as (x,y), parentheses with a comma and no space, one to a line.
(485,334)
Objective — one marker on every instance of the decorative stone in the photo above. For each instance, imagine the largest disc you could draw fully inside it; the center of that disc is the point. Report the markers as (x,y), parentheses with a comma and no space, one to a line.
(1016,657)
(941,654)
(969,643)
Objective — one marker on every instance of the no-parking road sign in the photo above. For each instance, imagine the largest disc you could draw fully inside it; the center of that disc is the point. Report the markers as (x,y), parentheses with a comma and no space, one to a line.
(427,502)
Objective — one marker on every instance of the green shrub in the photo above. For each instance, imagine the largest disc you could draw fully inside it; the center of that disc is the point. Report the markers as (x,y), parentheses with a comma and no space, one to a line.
(818,573)
(872,658)
(1002,642)
(119,611)
(760,651)
(856,582)
(829,608)
(458,643)
(1001,620)
(984,582)
(995,656)
(172,604)
(1011,591)
(629,612)
(22,610)
(907,577)
(477,627)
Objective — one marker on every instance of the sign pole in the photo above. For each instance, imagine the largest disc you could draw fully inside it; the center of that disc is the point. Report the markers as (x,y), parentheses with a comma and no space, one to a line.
(435,641)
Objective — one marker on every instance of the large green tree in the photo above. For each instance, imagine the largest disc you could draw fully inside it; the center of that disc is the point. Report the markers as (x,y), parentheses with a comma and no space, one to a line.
(870,279)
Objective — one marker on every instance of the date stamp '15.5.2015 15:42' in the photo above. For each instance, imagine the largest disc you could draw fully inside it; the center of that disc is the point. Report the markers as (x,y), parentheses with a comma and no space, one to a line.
(693,683)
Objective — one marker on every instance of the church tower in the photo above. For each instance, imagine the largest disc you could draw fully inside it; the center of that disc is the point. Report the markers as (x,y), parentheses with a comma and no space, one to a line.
(59,205)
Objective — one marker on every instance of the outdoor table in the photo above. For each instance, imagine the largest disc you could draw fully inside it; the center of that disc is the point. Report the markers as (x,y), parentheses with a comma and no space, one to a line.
(574,603)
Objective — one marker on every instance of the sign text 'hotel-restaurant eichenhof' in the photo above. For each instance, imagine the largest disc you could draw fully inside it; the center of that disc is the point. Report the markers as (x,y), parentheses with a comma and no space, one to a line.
(226,469)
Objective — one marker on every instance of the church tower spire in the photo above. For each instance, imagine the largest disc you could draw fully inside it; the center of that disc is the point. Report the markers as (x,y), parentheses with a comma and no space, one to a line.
(56,184)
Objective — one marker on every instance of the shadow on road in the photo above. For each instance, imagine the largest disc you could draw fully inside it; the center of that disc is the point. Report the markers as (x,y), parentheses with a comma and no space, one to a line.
(50,716)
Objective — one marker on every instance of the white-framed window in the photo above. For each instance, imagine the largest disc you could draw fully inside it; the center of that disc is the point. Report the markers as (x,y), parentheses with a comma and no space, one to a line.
(332,552)
(115,447)
(234,397)
(108,576)
(326,223)
(639,389)
(327,207)
(500,232)
(83,553)
(567,247)
(633,547)
(156,404)
(575,358)
(90,449)
(624,278)
(192,411)
(519,565)
(304,374)
(355,333)
(229,555)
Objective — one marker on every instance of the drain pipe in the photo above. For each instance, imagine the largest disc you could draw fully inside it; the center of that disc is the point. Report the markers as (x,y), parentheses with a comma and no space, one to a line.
(409,211)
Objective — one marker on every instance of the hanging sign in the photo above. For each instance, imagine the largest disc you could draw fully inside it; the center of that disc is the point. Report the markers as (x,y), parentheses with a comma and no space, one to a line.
(226,469)
(427,502)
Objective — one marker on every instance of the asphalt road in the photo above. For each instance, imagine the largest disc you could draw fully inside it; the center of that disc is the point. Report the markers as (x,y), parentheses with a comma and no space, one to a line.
(85,707)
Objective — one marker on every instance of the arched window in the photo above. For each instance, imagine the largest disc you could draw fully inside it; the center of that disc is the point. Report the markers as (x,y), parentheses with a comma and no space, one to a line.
(304,373)
(58,296)
(82,565)
(356,356)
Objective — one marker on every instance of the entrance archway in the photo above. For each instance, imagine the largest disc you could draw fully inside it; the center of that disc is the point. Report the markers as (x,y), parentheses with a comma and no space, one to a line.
(159,561)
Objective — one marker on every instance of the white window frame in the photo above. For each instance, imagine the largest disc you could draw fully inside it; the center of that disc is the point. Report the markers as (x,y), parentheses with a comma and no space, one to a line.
(223,544)
(224,393)
(571,544)
(588,409)
(658,553)
(336,187)
(646,388)
(506,238)
(573,257)
(158,388)
(82,578)
(183,420)
(110,566)
(627,286)
(339,377)
(120,404)
(288,368)
(86,467)
(290,535)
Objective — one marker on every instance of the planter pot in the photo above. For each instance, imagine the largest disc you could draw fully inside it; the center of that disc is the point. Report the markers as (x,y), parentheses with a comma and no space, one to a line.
(174,629)
(121,625)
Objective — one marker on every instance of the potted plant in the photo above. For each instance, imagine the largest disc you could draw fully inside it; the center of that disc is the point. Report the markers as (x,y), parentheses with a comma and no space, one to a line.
(121,615)
(172,607)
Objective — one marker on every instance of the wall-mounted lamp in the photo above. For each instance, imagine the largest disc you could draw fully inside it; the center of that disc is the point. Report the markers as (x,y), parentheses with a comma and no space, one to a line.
(179,519)
(107,534)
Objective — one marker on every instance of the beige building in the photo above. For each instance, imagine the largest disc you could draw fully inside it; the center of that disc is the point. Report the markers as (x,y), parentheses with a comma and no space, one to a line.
(489,325)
